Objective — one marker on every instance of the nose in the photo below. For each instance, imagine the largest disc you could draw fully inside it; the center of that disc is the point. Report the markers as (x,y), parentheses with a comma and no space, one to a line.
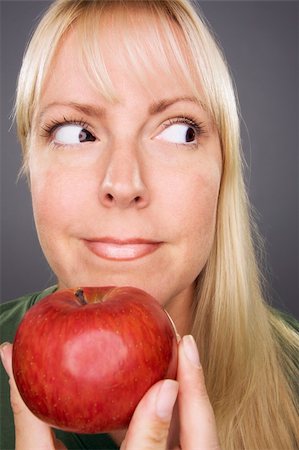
(122,185)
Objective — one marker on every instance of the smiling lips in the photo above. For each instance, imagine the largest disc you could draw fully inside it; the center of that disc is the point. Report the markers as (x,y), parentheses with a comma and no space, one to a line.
(121,250)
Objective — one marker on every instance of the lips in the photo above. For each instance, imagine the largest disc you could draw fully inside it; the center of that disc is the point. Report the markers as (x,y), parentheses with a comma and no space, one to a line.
(121,250)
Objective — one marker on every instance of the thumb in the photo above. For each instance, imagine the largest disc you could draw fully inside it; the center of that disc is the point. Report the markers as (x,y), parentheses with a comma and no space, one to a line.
(30,431)
(150,423)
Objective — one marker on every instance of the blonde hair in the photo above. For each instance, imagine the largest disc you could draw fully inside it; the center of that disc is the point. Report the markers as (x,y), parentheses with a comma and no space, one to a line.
(245,347)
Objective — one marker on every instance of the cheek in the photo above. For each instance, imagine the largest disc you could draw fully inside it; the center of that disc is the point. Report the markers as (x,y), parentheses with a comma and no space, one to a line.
(198,222)
(199,229)
(189,212)
(192,198)
(56,200)
(193,216)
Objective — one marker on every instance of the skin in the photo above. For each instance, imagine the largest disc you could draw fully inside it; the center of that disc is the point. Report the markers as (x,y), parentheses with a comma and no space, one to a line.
(89,190)
(135,180)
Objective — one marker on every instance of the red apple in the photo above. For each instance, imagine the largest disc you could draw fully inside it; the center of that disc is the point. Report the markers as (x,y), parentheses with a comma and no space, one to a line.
(83,358)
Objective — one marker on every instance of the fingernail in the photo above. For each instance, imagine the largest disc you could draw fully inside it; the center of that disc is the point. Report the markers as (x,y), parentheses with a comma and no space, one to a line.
(166,399)
(2,348)
(190,349)
(2,353)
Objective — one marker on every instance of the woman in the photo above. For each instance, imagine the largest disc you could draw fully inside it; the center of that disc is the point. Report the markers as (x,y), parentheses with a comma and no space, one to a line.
(130,133)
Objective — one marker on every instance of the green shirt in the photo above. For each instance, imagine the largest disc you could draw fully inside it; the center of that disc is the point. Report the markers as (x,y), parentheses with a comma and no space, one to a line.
(11,314)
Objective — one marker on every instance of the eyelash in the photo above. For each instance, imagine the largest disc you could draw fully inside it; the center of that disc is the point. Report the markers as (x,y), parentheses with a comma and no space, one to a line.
(49,128)
(199,127)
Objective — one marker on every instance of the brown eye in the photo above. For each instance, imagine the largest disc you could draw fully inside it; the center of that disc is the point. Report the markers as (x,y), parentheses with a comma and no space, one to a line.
(85,135)
(190,135)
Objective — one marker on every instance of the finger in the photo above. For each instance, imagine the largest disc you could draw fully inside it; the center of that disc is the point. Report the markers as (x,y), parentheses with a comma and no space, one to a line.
(30,432)
(197,420)
(150,423)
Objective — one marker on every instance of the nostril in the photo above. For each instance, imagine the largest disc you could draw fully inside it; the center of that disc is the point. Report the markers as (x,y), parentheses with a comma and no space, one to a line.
(109,197)
(123,199)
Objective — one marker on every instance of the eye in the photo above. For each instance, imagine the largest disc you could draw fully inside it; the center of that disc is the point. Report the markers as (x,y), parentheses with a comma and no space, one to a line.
(179,133)
(69,134)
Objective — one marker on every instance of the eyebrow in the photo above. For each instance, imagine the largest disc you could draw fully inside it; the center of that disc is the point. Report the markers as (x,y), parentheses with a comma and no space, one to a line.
(162,105)
(88,110)
(95,110)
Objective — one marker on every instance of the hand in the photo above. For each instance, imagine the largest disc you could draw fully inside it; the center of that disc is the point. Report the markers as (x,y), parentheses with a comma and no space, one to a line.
(151,427)
(31,433)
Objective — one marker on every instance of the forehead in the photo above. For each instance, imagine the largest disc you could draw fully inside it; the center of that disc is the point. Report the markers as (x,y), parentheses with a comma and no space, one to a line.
(109,51)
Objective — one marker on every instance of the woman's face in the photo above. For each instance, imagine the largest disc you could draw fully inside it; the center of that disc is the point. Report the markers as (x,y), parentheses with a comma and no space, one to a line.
(123,193)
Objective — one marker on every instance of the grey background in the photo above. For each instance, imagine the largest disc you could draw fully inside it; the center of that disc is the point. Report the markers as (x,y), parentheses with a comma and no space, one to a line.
(260,40)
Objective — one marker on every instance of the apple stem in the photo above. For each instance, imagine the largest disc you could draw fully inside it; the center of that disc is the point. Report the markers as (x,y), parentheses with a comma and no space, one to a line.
(80,294)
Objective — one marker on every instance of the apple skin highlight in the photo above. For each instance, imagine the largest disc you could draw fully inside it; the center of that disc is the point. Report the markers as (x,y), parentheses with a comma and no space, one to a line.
(83,358)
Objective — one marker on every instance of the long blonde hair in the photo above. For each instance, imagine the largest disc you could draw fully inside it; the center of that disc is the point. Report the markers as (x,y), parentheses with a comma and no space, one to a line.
(246,349)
